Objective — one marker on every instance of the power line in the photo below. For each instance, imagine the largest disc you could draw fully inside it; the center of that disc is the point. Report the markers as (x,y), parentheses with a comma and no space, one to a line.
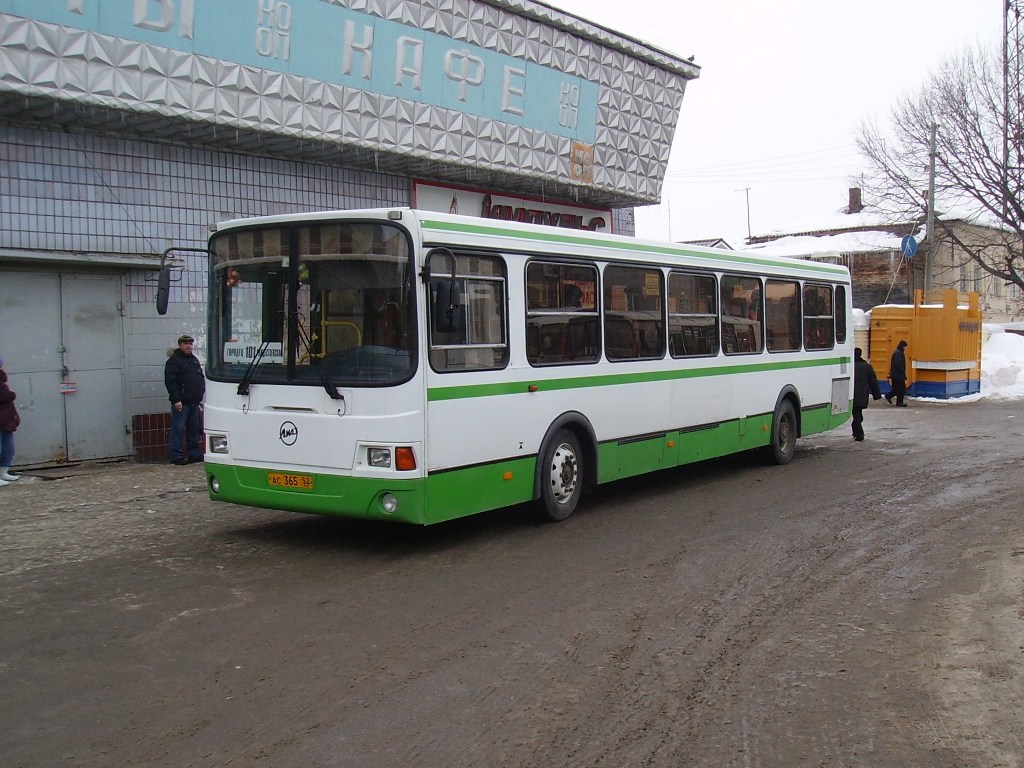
(817,156)
(773,171)
(734,179)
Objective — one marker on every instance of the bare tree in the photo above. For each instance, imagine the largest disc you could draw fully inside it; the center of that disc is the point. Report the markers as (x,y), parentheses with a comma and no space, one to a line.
(977,163)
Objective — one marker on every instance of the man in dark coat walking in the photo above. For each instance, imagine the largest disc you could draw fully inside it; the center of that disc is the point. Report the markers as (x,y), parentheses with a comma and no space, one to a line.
(186,386)
(898,375)
(865,383)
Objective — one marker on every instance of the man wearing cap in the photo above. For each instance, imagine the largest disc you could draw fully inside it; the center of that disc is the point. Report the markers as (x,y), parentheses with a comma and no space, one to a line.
(186,385)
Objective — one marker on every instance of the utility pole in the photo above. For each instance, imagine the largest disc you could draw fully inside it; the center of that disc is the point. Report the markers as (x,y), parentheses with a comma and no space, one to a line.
(1013,88)
(747,190)
(930,216)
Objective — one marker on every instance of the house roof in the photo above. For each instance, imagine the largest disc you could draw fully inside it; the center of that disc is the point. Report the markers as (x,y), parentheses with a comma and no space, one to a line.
(711,242)
(830,244)
(833,234)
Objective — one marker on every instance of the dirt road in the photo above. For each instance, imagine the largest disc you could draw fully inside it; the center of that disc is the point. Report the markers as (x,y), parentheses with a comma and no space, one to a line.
(862,606)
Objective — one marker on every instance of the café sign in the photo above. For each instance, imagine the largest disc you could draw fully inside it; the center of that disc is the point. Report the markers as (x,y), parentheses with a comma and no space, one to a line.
(326,41)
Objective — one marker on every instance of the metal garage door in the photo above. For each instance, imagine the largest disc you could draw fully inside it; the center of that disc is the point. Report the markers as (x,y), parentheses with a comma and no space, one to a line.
(62,341)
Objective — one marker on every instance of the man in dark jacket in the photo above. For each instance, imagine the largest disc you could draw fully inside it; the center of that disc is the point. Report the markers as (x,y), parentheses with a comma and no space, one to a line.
(186,386)
(865,383)
(898,375)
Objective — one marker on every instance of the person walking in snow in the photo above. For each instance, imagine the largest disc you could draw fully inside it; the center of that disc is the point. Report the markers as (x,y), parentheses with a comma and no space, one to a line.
(865,383)
(898,375)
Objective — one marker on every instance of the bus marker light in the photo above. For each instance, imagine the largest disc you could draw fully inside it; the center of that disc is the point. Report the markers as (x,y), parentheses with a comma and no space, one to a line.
(404,458)
(389,503)
(507,476)
(671,443)
(533,387)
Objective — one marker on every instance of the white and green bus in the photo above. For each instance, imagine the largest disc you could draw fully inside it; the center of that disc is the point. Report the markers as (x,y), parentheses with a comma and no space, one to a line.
(403,365)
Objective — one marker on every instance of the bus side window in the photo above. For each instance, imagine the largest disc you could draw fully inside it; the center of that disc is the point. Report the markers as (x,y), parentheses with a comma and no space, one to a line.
(692,315)
(782,315)
(740,333)
(634,323)
(561,313)
(819,329)
(467,323)
(840,313)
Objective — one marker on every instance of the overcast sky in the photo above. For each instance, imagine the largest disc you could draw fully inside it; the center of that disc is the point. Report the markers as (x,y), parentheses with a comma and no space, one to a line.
(784,86)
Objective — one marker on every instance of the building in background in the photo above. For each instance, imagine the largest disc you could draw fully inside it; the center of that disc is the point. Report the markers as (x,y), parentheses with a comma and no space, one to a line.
(128,128)
(952,268)
(865,242)
(872,247)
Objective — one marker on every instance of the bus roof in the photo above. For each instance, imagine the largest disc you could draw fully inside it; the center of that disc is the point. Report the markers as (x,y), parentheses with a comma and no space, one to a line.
(435,228)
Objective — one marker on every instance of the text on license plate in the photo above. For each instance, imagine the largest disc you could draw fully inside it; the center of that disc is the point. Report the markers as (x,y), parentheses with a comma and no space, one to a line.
(290,481)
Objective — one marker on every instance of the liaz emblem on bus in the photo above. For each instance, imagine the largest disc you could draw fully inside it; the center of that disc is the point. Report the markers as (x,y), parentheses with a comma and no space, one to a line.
(290,481)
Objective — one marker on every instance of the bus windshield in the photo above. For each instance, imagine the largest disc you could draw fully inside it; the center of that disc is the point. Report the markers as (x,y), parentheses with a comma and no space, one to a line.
(313,303)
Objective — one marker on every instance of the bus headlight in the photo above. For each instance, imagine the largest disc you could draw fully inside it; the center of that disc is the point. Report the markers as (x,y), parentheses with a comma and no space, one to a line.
(218,443)
(214,484)
(389,502)
(379,457)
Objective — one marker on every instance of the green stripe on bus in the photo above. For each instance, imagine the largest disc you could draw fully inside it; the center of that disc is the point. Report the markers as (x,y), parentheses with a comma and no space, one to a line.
(463,491)
(435,394)
(632,247)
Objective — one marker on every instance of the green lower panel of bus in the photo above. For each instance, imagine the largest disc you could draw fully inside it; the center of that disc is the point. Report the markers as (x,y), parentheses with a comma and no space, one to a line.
(451,494)
(326,494)
(822,419)
(619,459)
(627,458)
(470,490)
(465,491)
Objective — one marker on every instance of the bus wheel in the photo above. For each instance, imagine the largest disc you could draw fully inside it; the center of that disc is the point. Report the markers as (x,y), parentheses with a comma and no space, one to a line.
(783,433)
(561,475)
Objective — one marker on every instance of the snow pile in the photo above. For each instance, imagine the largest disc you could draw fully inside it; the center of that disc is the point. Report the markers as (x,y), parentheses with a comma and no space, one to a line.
(1002,366)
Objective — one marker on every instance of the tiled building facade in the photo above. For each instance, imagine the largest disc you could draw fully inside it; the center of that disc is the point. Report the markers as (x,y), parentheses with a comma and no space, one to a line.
(115,149)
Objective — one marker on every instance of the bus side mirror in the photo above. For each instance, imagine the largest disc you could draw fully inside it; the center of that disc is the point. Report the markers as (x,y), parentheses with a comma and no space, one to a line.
(163,290)
(447,303)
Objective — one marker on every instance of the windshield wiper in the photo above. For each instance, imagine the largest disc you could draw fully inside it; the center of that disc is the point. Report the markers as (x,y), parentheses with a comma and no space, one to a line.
(329,386)
(243,385)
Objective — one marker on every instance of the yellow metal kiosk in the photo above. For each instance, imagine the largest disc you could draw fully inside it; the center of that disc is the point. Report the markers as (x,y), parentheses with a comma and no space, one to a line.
(943,329)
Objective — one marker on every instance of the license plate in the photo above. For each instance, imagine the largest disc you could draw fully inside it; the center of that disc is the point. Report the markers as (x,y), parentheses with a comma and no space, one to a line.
(290,481)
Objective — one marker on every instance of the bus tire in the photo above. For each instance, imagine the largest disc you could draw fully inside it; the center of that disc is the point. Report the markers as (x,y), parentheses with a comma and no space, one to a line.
(561,475)
(784,433)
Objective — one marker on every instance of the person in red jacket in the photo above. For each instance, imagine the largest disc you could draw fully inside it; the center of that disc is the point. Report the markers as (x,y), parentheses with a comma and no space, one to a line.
(9,421)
